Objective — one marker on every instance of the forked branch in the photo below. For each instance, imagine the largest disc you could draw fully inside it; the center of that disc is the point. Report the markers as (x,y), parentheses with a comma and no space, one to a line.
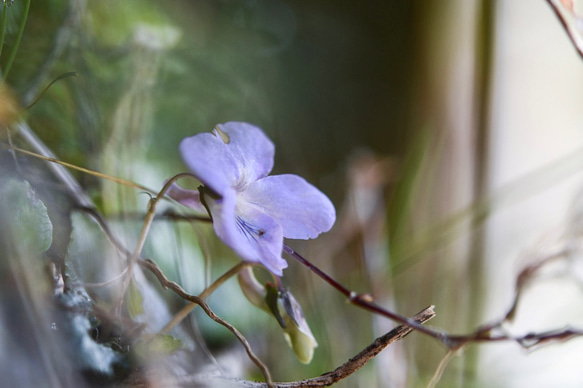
(168,284)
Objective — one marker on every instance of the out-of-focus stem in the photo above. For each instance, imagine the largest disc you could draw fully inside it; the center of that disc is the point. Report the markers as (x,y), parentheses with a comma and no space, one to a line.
(145,230)
(3,27)
(18,37)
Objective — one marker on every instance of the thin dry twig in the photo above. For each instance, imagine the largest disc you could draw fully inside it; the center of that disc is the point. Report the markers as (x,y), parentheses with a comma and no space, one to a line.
(525,275)
(204,294)
(362,358)
(77,187)
(440,369)
(168,284)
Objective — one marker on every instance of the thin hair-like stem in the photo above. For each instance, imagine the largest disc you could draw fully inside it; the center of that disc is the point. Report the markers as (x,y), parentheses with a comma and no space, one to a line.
(120,181)
(440,369)
(196,300)
(42,93)
(144,233)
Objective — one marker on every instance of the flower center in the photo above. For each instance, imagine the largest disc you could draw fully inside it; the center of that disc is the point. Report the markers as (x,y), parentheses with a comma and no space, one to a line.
(248,230)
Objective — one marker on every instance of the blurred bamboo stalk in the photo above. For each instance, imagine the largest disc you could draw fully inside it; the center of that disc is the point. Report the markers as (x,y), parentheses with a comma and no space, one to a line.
(452,105)
(484,45)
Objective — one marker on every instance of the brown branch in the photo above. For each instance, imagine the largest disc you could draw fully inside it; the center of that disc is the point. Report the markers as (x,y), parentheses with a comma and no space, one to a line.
(343,371)
(525,275)
(452,342)
(365,301)
(362,358)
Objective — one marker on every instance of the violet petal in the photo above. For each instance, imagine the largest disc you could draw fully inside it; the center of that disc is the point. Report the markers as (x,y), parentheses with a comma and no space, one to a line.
(301,209)
(221,162)
(254,236)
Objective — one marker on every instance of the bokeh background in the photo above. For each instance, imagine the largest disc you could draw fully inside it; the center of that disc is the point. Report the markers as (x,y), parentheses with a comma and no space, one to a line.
(448,134)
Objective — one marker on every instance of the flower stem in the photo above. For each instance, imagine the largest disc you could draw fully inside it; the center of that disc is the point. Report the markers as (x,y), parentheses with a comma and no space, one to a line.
(143,236)
(364,302)
(345,291)
(18,37)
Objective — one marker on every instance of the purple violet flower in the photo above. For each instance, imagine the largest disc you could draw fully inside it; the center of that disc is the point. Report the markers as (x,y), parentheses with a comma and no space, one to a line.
(251,211)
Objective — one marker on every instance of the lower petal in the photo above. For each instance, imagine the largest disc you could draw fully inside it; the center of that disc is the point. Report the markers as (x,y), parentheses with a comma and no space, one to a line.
(265,238)
(254,236)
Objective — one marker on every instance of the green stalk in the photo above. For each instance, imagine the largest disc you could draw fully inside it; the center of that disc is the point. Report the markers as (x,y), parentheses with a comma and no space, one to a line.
(3,28)
(18,37)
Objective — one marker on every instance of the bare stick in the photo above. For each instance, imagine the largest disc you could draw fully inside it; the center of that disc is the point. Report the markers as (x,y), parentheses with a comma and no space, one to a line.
(362,358)
(343,371)
(167,215)
(167,284)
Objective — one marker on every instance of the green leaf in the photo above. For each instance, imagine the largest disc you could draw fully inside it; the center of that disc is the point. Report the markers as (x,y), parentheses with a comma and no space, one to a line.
(28,216)
(160,345)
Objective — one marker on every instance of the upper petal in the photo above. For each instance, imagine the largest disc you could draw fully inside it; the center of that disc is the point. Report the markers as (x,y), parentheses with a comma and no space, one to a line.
(254,236)
(236,155)
(301,209)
